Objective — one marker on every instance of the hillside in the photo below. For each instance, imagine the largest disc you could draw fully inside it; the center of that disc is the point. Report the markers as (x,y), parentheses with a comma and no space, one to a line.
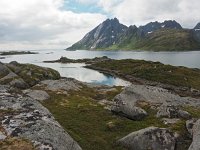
(166,36)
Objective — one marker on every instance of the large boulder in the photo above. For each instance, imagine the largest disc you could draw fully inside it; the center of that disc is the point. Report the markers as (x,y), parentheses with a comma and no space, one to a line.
(151,138)
(125,105)
(196,136)
(129,111)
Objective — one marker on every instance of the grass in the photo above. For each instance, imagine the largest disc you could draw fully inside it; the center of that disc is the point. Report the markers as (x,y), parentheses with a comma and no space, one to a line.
(93,127)
(153,71)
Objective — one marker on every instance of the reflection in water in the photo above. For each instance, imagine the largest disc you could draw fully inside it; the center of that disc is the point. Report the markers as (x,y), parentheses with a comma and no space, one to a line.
(77,71)
(80,73)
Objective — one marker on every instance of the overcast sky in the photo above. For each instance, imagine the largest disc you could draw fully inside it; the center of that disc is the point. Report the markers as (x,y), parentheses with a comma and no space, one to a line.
(50,24)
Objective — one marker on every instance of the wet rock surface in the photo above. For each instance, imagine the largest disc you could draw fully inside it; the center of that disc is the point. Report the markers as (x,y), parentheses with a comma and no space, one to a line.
(149,138)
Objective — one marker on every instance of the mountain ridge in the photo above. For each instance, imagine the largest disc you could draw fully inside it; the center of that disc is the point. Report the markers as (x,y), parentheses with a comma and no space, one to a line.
(160,36)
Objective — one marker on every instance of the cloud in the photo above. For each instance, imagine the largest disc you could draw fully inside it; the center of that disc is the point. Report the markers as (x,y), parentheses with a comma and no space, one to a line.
(51,23)
(26,22)
(143,11)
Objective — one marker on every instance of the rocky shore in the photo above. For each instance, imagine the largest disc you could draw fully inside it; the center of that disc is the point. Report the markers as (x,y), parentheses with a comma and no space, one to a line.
(40,110)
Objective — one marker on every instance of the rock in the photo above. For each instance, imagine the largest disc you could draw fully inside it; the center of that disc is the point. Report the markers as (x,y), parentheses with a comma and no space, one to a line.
(3,70)
(2,136)
(168,121)
(151,138)
(125,105)
(61,85)
(170,111)
(184,114)
(19,83)
(37,94)
(129,111)
(196,136)
(29,119)
(155,96)
(189,125)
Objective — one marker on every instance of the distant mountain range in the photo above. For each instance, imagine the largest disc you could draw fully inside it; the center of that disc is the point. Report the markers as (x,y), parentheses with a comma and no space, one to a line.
(166,36)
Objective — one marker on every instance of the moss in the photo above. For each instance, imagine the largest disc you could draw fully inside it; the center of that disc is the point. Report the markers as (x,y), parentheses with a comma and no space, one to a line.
(93,127)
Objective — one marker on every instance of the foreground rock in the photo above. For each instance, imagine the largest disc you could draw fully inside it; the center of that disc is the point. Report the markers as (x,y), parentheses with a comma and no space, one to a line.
(150,138)
(25,117)
(196,136)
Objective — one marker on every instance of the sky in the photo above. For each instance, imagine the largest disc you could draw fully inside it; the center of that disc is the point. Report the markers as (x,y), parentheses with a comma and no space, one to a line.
(56,24)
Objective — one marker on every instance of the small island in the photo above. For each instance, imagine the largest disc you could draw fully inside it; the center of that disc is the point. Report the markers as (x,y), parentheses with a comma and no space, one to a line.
(16,53)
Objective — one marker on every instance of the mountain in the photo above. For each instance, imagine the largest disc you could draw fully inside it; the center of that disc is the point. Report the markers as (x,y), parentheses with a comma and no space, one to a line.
(153,26)
(196,32)
(197,27)
(165,36)
(103,36)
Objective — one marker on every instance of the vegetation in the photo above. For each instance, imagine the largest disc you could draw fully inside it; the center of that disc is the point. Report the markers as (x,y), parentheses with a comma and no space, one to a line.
(92,126)
(151,71)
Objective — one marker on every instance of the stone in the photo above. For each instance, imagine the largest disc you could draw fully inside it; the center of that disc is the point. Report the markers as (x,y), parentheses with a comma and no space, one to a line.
(190,124)
(39,95)
(61,85)
(131,112)
(168,121)
(19,83)
(2,136)
(171,111)
(151,138)
(32,121)
(196,136)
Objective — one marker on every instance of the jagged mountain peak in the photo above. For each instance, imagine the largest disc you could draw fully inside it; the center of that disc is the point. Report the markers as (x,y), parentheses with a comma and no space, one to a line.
(104,35)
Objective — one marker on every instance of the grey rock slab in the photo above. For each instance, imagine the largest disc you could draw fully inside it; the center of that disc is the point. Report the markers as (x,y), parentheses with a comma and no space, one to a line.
(34,122)
(155,95)
(196,136)
(149,138)
(61,85)
(39,95)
